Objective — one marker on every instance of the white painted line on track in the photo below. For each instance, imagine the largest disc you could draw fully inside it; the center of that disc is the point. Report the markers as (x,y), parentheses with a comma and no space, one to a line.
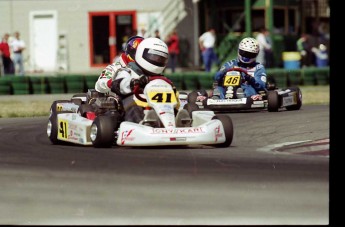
(306,147)
(274,147)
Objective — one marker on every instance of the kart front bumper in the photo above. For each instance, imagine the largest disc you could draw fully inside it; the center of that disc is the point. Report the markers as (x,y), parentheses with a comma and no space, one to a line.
(132,134)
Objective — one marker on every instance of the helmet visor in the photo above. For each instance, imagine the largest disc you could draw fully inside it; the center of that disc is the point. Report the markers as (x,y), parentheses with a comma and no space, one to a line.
(156,57)
(247,54)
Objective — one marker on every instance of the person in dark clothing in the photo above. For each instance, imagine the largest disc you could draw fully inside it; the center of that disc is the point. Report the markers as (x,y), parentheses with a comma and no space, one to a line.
(6,55)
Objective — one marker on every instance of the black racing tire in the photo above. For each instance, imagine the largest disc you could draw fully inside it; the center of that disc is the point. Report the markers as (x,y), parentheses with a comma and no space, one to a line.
(190,107)
(191,98)
(204,103)
(102,132)
(228,129)
(272,101)
(134,114)
(77,101)
(84,108)
(203,92)
(52,129)
(271,83)
(299,100)
(79,95)
(77,98)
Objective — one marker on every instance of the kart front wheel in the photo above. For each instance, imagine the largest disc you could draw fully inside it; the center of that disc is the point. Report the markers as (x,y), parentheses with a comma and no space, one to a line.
(228,129)
(190,107)
(272,101)
(191,98)
(52,129)
(102,132)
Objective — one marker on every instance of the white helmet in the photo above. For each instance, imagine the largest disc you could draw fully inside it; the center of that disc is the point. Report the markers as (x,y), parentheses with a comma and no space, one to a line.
(152,55)
(248,50)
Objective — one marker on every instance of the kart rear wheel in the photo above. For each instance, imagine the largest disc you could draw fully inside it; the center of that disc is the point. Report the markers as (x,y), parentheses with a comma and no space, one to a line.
(102,131)
(228,129)
(298,105)
(190,107)
(272,101)
(80,95)
(77,101)
(271,83)
(76,98)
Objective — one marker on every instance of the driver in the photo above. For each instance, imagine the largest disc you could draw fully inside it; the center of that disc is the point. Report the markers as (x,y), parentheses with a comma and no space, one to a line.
(103,84)
(248,50)
(150,60)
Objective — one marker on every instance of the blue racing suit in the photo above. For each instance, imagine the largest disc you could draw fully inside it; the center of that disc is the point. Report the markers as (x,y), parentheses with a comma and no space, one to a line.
(252,85)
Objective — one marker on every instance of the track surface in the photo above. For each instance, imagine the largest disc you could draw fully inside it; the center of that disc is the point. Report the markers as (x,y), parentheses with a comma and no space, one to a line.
(245,184)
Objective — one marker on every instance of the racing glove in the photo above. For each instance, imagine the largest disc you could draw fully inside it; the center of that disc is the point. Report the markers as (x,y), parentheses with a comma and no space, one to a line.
(250,79)
(134,83)
(141,81)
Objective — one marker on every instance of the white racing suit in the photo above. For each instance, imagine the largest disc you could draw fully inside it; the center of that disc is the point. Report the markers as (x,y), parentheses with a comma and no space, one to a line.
(103,84)
(122,87)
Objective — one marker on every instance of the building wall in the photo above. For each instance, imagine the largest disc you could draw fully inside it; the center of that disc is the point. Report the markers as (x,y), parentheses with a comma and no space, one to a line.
(72,16)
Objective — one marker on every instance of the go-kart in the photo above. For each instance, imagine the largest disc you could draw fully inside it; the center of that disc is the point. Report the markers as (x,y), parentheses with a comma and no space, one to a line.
(98,119)
(71,120)
(272,99)
(163,125)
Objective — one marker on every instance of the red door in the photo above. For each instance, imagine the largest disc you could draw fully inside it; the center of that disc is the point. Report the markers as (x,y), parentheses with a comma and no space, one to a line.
(108,31)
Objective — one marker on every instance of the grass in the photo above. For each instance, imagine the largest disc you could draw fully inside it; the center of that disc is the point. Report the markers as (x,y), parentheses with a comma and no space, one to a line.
(315,94)
(23,108)
(10,109)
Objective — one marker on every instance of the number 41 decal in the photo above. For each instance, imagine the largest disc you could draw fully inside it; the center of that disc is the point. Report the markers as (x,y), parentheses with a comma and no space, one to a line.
(62,131)
(162,97)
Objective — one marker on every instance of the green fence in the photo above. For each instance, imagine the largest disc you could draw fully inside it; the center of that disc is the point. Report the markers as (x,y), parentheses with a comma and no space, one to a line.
(18,85)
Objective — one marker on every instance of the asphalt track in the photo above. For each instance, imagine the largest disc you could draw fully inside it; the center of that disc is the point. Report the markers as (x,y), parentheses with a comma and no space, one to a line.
(276,172)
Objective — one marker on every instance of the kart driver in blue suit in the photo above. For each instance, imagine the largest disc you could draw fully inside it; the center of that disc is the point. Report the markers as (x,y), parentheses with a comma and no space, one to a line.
(248,50)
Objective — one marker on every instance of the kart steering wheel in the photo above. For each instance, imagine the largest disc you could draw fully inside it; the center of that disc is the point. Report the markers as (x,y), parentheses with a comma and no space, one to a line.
(243,78)
(239,70)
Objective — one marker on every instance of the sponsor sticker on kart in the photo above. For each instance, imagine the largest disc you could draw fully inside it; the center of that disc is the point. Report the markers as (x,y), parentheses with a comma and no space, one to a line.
(227,101)
(178,130)
(289,100)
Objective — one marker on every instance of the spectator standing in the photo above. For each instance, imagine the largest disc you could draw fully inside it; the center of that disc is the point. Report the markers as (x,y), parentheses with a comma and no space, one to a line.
(265,55)
(143,33)
(174,49)
(304,47)
(157,34)
(207,43)
(321,55)
(6,55)
(18,46)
